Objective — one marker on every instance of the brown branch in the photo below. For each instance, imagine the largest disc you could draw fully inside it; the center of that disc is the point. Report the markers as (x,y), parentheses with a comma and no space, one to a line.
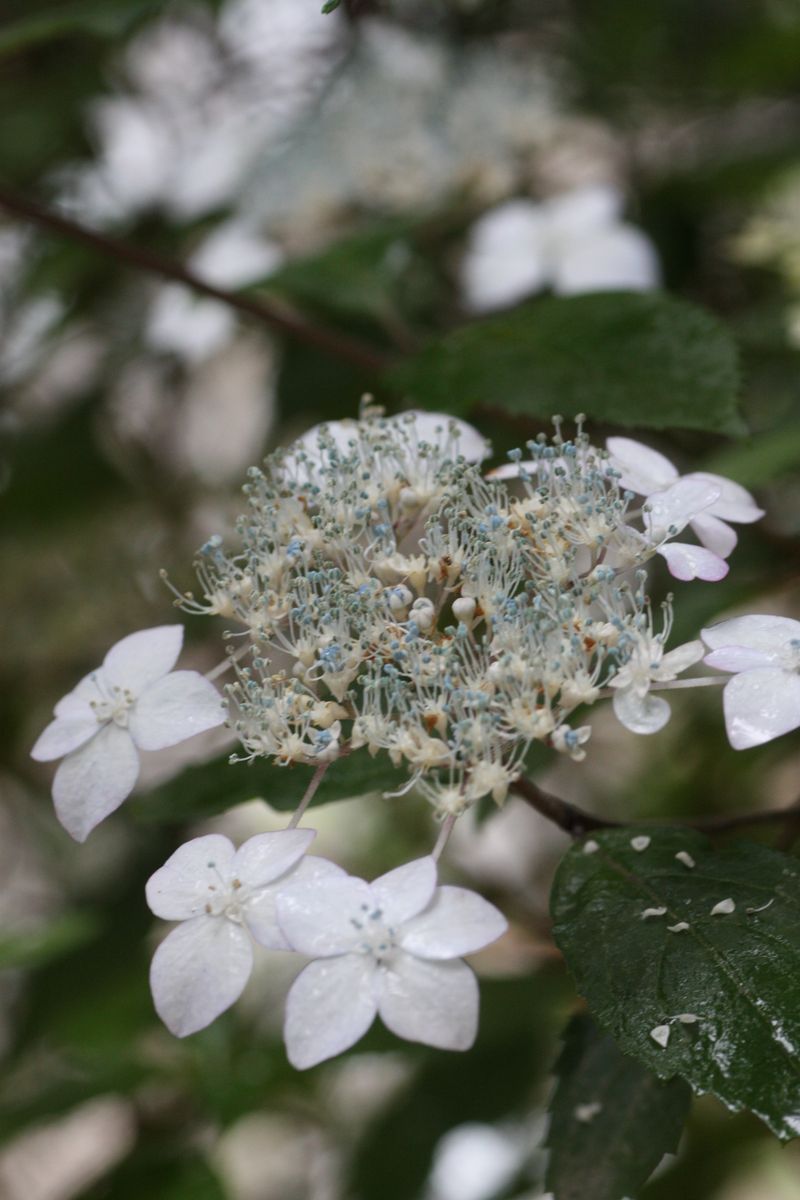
(569,817)
(576,822)
(341,346)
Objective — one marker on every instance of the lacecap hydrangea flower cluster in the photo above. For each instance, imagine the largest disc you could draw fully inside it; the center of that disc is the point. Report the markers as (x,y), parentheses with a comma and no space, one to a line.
(388,594)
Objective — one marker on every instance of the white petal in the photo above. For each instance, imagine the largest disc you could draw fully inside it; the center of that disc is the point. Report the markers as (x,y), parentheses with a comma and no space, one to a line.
(693,562)
(512,470)
(405,891)
(431,1002)
(198,971)
(144,656)
(75,703)
(456,922)
(317,918)
(583,209)
(643,470)
(174,708)
(715,534)
(190,877)
(641,714)
(93,781)
(669,511)
(620,258)
(740,658)
(329,1007)
(260,912)
(758,631)
(64,735)
(676,661)
(735,502)
(264,857)
(436,428)
(761,705)
(505,258)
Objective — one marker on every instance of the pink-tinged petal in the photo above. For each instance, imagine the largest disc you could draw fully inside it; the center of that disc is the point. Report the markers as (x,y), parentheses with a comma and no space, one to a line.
(456,922)
(174,708)
(643,469)
(582,210)
(324,918)
(693,562)
(93,781)
(431,1002)
(198,971)
(445,432)
(641,714)
(761,705)
(64,735)
(715,535)
(144,656)
(758,631)
(329,1008)
(405,891)
(265,857)
(92,687)
(620,258)
(191,877)
(740,658)
(735,502)
(669,511)
(259,908)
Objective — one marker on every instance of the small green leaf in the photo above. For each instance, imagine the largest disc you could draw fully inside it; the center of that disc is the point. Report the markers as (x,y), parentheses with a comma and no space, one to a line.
(620,357)
(60,937)
(217,785)
(611,1120)
(330,6)
(691,963)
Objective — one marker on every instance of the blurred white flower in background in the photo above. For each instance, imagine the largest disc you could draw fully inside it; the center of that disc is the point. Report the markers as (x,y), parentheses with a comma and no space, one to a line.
(476,1161)
(575,242)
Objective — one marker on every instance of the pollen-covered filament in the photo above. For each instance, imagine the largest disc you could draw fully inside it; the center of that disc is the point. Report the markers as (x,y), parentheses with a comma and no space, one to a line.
(226,898)
(376,938)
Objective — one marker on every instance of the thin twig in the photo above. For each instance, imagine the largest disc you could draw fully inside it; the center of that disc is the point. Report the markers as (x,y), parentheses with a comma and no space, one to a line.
(444,835)
(339,345)
(316,780)
(567,816)
(576,822)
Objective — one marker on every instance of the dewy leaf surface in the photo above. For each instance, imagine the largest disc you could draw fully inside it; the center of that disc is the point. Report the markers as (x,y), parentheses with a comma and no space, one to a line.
(621,357)
(611,1119)
(733,976)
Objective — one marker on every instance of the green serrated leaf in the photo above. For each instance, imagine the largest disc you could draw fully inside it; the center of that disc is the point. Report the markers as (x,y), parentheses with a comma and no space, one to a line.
(737,972)
(59,937)
(217,785)
(620,357)
(611,1120)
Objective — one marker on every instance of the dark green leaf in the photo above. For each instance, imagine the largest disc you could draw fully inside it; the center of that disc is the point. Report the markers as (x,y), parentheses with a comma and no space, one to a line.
(218,785)
(611,1120)
(160,1174)
(97,17)
(760,461)
(61,936)
(737,973)
(623,358)
(330,6)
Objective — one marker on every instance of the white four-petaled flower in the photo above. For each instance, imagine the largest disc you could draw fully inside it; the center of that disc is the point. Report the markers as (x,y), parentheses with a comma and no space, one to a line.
(390,948)
(762,700)
(645,471)
(133,702)
(574,242)
(223,898)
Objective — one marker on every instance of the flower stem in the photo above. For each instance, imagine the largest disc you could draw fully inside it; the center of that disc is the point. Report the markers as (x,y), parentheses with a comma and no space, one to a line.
(444,835)
(308,796)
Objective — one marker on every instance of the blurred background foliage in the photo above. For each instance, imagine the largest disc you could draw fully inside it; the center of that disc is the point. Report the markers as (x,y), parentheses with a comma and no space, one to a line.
(330,168)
